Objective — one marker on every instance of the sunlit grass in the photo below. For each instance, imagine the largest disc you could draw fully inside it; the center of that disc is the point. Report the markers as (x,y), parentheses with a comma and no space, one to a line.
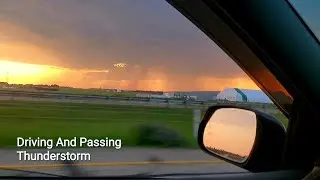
(53,120)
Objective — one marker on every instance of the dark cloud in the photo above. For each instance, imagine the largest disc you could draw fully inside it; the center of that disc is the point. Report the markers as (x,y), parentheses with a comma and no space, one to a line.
(154,40)
(98,33)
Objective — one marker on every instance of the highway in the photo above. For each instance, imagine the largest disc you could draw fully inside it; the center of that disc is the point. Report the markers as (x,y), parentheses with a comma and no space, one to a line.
(125,161)
(117,162)
(97,99)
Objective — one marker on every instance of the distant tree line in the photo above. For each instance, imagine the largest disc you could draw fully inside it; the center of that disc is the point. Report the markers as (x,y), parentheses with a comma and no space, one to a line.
(230,154)
(34,86)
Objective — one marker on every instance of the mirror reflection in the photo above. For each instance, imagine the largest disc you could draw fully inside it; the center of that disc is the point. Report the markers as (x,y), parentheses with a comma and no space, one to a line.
(230,133)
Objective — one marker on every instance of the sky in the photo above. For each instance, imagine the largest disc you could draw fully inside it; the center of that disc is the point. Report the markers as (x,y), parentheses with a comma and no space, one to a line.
(141,44)
(232,130)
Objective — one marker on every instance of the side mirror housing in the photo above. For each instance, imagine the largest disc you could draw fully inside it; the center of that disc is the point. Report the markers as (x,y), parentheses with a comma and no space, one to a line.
(247,138)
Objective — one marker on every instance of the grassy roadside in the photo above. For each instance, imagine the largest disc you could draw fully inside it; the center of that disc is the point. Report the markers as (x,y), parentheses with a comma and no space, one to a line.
(51,120)
(78,91)
(68,120)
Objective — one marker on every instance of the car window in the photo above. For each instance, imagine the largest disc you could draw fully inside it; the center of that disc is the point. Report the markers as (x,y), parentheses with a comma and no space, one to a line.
(112,84)
(309,12)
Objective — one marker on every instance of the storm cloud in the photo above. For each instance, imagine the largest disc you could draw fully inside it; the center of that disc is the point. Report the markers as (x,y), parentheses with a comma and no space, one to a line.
(149,36)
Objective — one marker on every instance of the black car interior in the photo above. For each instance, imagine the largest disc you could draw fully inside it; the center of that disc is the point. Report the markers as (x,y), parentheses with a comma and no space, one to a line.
(275,47)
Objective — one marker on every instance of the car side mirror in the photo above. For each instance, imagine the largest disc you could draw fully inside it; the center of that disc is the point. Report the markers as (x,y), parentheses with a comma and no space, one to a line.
(247,138)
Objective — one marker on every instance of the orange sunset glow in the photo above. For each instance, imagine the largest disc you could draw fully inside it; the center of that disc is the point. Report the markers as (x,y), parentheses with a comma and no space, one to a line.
(232,130)
(71,48)
(24,73)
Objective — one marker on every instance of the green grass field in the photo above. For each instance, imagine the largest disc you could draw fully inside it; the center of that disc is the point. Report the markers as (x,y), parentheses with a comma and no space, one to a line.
(78,91)
(95,92)
(67,120)
(53,120)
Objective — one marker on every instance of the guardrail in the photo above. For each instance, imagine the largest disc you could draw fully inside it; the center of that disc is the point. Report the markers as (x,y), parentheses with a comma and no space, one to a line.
(172,101)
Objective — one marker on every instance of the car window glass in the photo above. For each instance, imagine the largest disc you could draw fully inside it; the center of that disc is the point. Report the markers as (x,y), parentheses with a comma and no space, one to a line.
(136,76)
(309,11)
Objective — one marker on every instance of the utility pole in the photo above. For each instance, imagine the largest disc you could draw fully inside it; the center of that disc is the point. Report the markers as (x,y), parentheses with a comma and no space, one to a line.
(7,77)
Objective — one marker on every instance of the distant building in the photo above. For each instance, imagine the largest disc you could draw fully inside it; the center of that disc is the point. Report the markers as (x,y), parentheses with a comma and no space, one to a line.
(169,94)
(46,89)
(243,95)
(149,92)
(4,85)
(199,95)
(193,97)
(155,95)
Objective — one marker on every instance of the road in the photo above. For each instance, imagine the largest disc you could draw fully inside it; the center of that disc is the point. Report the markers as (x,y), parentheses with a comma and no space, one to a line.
(126,161)
(96,101)
(123,161)
(120,102)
